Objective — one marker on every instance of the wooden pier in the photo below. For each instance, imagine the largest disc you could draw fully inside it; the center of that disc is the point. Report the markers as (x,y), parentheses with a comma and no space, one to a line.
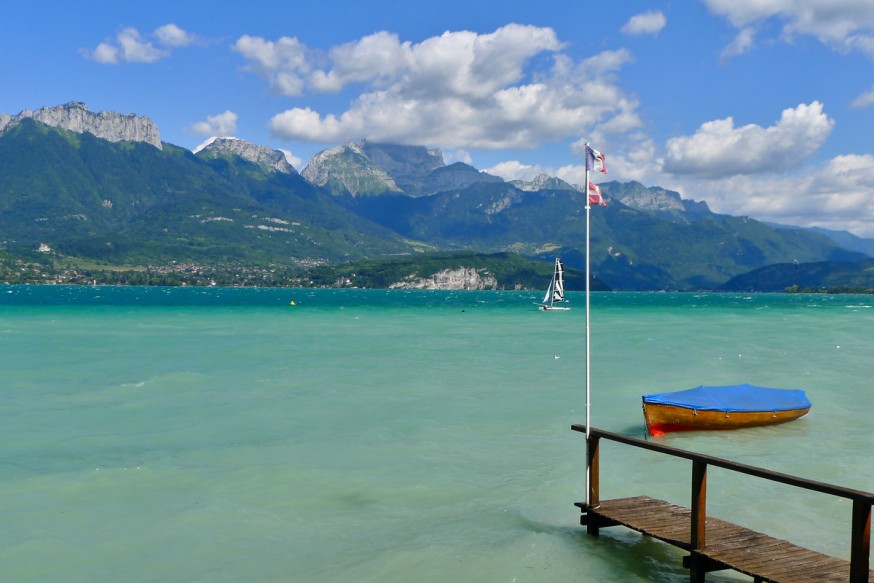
(715,544)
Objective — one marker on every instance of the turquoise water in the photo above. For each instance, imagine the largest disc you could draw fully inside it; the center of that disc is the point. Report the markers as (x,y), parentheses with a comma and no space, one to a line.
(156,434)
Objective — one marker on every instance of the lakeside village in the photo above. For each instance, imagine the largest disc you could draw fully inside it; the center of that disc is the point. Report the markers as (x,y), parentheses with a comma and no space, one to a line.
(49,272)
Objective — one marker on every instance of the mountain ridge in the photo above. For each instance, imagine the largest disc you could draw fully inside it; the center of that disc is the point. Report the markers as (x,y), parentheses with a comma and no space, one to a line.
(79,195)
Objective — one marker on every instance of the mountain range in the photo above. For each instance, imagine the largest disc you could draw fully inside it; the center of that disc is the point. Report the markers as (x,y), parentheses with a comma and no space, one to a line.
(101,189)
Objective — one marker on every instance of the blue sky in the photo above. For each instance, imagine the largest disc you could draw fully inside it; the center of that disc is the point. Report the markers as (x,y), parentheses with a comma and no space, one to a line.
(761,108)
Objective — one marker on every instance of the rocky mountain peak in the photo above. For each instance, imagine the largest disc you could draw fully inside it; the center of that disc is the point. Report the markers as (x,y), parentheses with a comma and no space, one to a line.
(544,182)
(76,117)
(655,199)
(265,156)
(408,161)
(366,168)
(347,169)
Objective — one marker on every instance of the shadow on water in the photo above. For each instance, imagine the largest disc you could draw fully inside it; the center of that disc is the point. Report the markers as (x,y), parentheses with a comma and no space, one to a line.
(637,431)
(631,554)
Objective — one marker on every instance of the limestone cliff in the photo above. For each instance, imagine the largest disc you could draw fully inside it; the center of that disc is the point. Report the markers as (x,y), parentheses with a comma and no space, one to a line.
(76,117)
(464,278)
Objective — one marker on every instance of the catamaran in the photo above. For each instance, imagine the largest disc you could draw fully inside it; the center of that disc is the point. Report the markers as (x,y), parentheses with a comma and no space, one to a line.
(555,292)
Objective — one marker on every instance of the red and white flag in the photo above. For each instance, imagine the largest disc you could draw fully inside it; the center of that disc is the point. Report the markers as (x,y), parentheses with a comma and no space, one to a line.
(595,196)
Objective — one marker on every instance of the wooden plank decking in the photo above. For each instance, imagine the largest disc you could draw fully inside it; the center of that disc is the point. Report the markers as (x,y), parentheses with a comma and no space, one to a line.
(714,544)
(729,546)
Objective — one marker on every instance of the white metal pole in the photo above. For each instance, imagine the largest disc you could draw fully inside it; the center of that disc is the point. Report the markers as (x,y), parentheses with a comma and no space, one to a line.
(588,423)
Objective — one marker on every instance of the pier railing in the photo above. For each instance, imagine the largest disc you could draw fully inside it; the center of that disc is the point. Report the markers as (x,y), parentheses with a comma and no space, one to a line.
(860,539)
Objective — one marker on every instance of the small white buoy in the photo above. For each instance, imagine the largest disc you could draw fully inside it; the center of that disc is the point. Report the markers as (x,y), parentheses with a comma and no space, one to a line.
(557,357)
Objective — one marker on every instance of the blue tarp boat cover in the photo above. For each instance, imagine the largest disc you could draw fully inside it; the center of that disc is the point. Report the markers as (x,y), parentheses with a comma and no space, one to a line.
(733,398)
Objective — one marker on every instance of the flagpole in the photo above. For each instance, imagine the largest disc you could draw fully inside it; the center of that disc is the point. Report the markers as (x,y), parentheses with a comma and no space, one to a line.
(588,424)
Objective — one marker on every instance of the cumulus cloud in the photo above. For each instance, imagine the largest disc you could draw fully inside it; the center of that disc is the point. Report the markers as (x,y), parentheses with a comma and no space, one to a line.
(130,46)
(719,148)
(283,62)
(380,57)
(223,124)
(510,88)
(846,26)
(836,195)
(651,22)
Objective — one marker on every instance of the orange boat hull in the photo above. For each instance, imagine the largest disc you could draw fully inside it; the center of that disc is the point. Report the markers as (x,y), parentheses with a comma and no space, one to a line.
(661,419)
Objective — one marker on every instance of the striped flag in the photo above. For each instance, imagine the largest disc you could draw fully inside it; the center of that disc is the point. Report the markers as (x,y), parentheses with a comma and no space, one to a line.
(595,196)
(595,160)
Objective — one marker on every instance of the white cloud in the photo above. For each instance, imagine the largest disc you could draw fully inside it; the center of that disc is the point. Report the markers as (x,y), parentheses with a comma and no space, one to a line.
(136,50)
(844,26)
(719,148)
(864,100)
(636,158)
(836,195)
(171,35)
(457,90)
(105,53)
(450,157)
(742,43)
(651,22)
(380,56)
(291,158)
(515,170)
(223,124)
(306,125)
(131,47)
(283,62)
(456,63)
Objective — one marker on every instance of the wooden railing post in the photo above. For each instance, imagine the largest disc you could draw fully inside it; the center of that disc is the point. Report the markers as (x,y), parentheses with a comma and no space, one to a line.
(860,543)
(594,443)
(697,568)
(699,504)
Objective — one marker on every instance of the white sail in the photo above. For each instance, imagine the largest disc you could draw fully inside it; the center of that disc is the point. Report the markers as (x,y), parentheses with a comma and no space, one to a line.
(558,285)
(555,291)
(548,297)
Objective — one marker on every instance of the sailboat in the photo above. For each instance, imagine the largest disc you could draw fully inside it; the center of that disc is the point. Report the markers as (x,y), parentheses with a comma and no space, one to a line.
(555,292)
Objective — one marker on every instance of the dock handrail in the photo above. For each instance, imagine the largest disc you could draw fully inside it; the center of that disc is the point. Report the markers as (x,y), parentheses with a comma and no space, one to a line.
(860,543)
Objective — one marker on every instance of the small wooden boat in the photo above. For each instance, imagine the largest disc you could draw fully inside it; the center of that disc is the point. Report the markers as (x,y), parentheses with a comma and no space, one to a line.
(726,407)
